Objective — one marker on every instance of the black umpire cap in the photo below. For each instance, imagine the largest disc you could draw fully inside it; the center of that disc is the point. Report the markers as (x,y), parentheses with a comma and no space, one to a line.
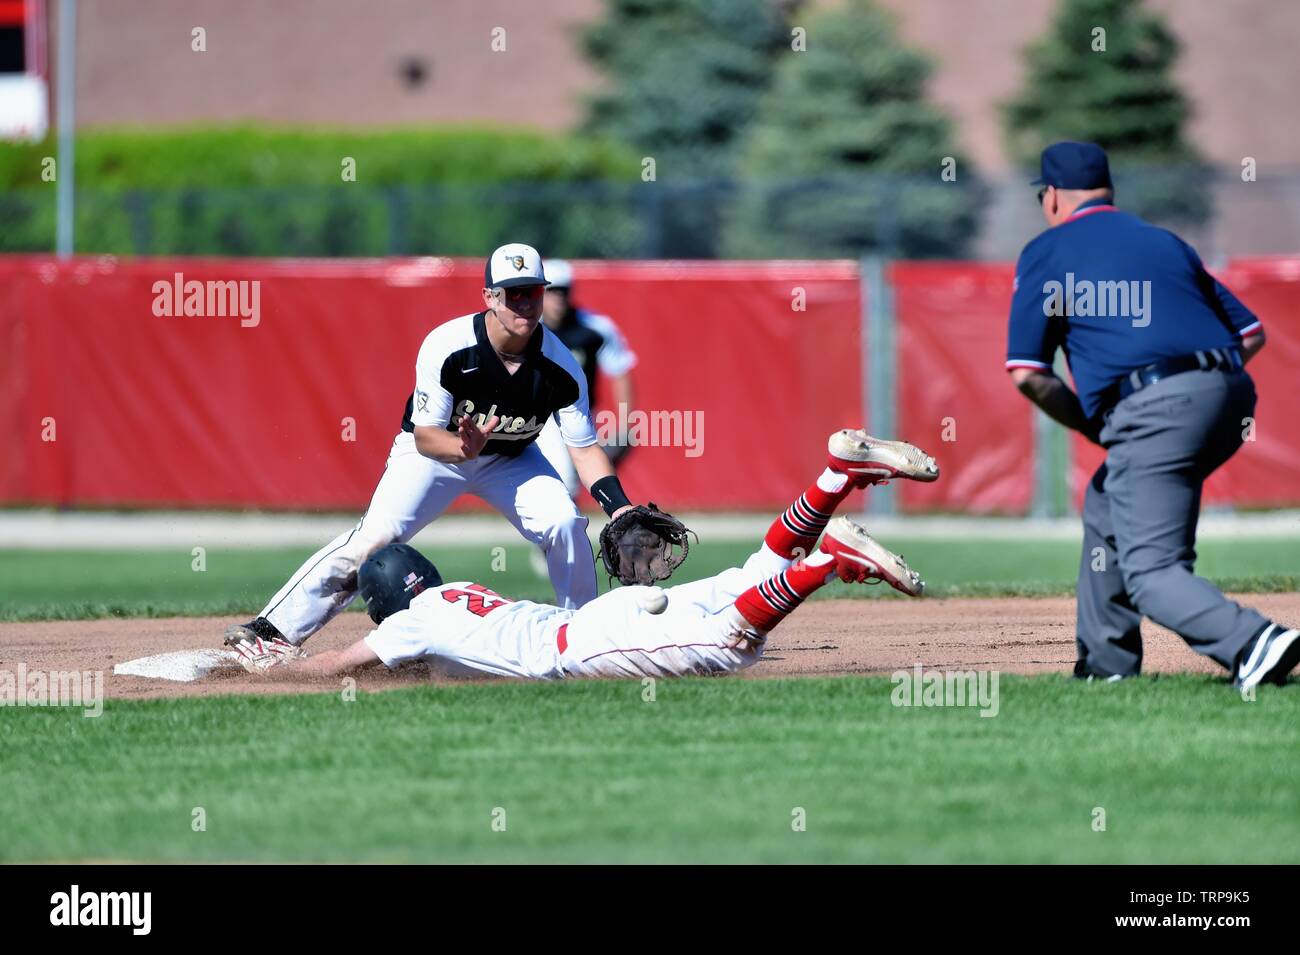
(1071,165)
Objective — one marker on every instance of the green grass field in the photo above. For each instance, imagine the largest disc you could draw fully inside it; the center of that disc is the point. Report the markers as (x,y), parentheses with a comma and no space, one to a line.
(710,771)
(44,585)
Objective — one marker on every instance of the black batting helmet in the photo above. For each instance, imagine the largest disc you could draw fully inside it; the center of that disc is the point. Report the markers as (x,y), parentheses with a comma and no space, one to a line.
(393,576)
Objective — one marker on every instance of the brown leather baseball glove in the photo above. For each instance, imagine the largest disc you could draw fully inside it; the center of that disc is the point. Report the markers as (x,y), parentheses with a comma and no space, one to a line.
(643,545)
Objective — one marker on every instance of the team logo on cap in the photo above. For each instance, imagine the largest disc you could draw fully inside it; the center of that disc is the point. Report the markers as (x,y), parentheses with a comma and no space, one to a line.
(517,261)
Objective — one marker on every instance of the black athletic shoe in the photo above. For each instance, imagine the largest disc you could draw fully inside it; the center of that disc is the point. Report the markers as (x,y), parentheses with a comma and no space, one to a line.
(1268,658)
(257,627)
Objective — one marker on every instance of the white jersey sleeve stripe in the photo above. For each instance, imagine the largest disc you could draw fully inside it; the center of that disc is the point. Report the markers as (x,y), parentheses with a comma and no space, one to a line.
(432,405)
(574,419)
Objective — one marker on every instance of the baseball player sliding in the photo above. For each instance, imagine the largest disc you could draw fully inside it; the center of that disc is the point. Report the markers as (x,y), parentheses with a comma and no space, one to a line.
(485,386)
(711,626)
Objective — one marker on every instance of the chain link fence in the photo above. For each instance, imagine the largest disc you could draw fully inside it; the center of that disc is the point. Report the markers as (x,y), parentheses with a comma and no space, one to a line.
(893,217)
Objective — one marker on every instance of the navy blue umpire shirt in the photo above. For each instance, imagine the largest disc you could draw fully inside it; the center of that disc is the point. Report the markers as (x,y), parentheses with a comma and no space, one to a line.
(1117,294)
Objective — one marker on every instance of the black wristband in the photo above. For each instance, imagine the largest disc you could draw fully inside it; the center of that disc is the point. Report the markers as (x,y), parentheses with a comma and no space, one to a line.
(609,494)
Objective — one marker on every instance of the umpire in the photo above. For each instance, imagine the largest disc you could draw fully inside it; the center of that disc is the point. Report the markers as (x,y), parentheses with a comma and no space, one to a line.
(1157,349)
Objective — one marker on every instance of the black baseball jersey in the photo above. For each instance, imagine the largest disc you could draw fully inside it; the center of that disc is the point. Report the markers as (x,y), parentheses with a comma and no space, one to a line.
(458,373)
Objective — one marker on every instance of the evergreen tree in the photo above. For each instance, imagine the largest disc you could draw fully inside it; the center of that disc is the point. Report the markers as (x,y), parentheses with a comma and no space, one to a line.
(683,82)
(1103,73)
(686,76)
(846,156)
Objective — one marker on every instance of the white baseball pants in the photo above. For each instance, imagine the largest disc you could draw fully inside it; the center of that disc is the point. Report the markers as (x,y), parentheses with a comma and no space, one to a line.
(551,443)
(698,633)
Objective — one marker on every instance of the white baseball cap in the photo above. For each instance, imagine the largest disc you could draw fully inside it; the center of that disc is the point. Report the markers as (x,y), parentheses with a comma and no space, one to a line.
(560,273)
(514,264)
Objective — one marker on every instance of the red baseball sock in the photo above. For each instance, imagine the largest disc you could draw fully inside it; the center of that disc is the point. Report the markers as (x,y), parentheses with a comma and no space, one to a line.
(767,604)
(795,532)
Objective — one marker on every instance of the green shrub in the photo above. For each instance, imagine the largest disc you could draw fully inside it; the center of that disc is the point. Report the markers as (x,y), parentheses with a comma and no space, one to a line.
(256,191)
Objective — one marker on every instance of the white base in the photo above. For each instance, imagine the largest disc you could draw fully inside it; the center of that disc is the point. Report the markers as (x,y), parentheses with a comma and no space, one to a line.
(182,666)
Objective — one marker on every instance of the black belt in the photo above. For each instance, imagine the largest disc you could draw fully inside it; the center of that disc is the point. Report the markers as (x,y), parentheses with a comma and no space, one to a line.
(1224,359)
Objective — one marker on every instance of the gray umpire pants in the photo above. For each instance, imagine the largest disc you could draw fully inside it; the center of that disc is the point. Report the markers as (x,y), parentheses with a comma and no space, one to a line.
(1139,523)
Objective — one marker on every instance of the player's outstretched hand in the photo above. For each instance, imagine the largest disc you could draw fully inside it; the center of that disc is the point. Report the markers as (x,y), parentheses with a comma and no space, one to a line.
(473,437)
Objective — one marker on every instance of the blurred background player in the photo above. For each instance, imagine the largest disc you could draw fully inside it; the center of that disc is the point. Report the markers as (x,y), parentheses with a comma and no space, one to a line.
(596,344)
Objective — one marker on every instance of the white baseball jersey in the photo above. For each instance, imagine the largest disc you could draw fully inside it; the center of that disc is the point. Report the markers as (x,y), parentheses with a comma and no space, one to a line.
(466,629)
(463,628)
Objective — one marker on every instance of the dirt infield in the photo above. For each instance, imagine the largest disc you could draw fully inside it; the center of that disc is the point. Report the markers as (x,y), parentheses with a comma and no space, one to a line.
(822,638)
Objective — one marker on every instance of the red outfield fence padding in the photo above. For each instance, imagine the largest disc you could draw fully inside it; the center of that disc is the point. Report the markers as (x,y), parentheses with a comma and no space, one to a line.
(298,411)
(193,411)
(954,399)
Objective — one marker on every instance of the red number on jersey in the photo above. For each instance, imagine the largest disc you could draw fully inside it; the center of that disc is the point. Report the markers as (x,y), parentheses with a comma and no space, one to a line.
(478,599)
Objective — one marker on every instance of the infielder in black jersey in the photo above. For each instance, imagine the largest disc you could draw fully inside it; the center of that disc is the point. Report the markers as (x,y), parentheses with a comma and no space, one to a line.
(485,386)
